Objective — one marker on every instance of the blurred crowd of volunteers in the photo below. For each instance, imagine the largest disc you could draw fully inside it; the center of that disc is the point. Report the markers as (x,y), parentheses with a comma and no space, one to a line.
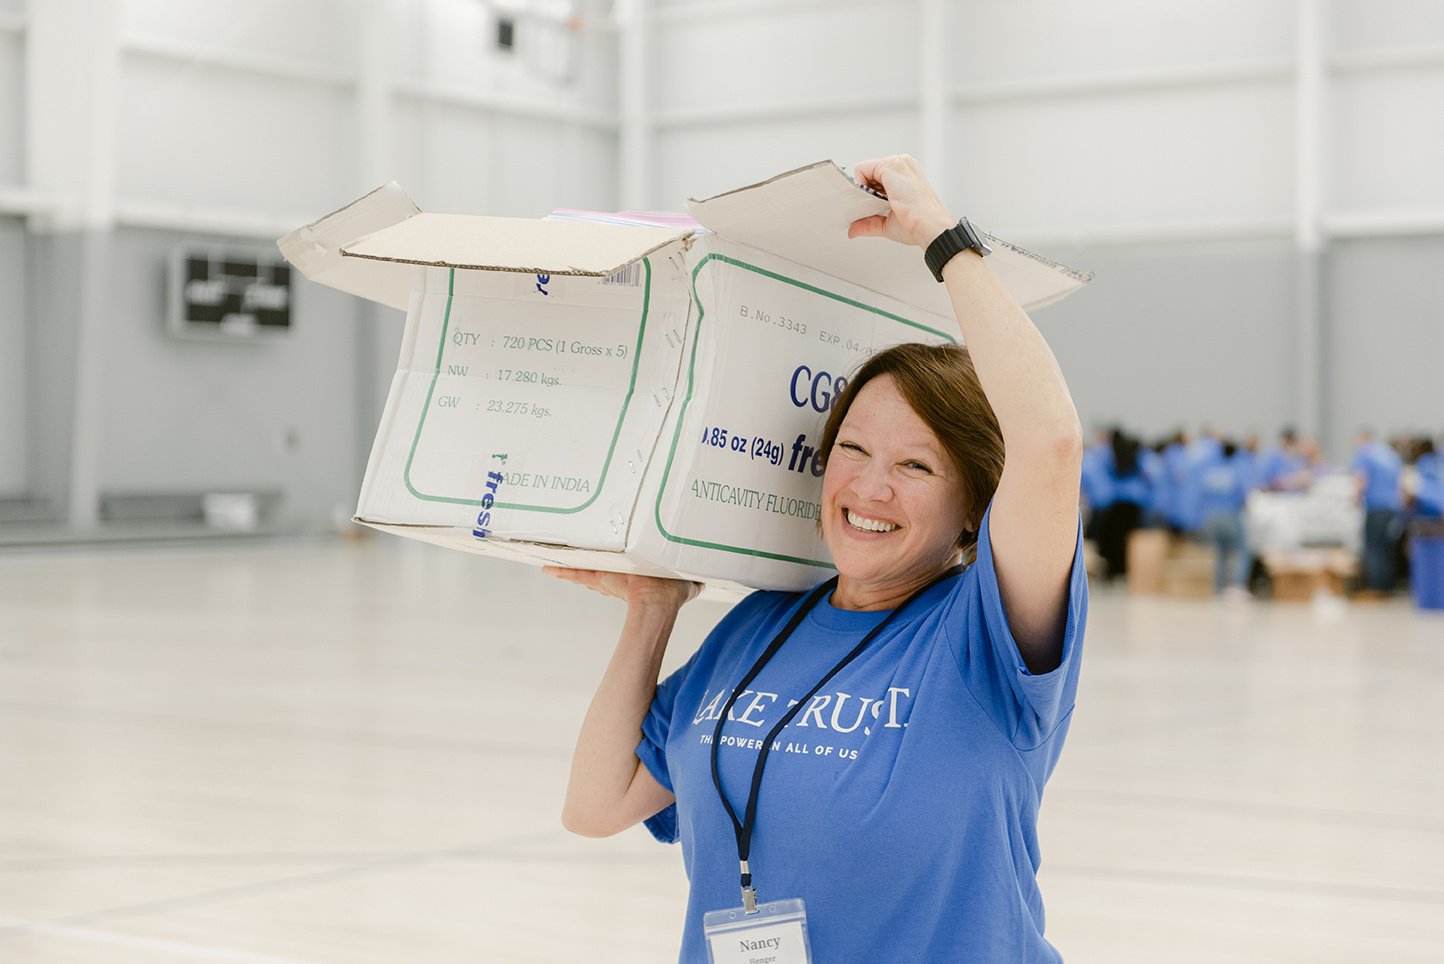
(1260,513)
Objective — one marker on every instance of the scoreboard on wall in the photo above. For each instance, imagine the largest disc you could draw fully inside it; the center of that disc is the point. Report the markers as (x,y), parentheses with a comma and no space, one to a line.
(229,294)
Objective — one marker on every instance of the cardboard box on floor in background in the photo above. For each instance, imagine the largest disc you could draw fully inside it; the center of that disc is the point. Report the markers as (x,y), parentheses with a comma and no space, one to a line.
(1188,570)
(1301,574)
(1147,551)
(630,397)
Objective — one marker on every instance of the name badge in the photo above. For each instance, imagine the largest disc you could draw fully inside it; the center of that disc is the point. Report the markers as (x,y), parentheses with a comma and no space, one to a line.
(775,934)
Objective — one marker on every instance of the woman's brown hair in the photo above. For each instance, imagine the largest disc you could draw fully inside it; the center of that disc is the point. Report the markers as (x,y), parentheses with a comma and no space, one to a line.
(942,387)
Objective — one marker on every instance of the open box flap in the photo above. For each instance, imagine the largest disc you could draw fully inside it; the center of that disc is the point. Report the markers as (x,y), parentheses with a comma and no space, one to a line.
(531,246)
(315,249)
(803,215)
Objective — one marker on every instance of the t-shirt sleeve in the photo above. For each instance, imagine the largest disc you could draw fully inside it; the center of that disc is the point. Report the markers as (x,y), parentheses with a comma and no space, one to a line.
(1028,707)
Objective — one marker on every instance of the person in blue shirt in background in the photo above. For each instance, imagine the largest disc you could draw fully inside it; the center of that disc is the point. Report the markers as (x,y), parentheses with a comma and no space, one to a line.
(1150,462)
(1251,458)
(1281,465)
(1423,489)
(1096,483)
(1377,469)
(1175,469)
(1428,495)
(1130,493)
(1223,482)
(1199,454)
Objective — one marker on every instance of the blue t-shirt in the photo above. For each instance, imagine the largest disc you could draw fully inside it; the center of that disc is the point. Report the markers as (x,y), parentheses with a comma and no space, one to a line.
(1278,466)
(1430,497)
(1096,477)
(1380,467)
(1175,470)
(901,804)
(1223,486)
(1248,468)
(1132,488)
(1150,463)
(1201,453)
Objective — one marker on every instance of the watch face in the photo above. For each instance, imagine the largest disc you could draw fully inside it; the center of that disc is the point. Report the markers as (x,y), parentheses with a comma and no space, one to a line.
(974,237)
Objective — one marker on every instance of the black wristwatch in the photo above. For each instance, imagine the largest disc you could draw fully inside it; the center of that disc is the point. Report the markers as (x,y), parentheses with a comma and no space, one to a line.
(956,239)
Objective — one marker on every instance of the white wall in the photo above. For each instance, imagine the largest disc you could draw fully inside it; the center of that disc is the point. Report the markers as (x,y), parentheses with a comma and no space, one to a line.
(744,91)
(259,108)
(200,135)
(316,31)
(1001,42)
(12,105)
(1140,160)
(1121,114)
(1385,141)
(450,160)
(233,124)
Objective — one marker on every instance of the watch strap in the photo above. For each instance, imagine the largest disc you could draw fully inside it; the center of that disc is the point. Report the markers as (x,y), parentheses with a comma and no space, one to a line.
(955,240)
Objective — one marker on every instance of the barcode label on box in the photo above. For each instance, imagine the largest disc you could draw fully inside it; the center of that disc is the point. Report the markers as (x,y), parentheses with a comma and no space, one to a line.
(631,276)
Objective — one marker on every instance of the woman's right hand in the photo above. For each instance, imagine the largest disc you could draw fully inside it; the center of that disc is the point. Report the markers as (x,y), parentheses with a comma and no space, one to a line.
(632,588)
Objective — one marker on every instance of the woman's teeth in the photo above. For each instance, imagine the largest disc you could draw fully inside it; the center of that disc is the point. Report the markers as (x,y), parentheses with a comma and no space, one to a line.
(868,525)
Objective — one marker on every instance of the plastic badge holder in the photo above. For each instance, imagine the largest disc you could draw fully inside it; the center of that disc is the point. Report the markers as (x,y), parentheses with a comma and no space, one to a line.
(776,934)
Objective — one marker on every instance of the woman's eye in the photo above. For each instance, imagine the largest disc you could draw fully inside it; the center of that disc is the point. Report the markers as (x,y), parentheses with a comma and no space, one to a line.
(917,467)
(850,446)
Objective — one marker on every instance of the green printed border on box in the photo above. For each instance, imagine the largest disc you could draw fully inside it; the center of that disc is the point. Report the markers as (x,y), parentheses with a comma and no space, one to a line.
(616,432)
(687,399)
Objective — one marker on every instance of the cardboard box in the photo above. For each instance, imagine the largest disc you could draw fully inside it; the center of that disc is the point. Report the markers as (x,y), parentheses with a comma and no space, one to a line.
(1299,585)
(1301,574)
(631,397)
(1147,551)
(1188,570)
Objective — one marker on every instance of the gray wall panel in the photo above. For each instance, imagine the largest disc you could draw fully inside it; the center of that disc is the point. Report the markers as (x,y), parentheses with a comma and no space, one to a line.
(1384,338)
(186,416)
(13,457)
(1172,335)
(52,304)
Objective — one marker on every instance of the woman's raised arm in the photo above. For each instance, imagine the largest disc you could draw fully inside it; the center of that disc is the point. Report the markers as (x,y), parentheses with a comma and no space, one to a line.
(1034,521)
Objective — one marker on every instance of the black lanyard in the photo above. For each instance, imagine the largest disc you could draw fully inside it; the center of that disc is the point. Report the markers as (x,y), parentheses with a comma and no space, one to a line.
(743,828)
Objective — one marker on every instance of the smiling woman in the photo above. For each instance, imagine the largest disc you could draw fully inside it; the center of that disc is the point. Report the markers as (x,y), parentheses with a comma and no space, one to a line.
(911,709)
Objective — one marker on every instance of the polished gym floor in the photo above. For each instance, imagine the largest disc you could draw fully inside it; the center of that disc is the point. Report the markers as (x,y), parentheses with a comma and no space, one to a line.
(354,752)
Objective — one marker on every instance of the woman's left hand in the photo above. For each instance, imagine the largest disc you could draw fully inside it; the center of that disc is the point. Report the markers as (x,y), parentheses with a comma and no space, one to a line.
(916,216)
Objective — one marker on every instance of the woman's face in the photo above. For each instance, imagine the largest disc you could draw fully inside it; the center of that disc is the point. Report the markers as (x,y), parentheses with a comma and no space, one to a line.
(892,502)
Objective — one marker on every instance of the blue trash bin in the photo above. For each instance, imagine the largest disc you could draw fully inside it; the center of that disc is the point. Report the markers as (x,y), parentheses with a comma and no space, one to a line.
(1426,571)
